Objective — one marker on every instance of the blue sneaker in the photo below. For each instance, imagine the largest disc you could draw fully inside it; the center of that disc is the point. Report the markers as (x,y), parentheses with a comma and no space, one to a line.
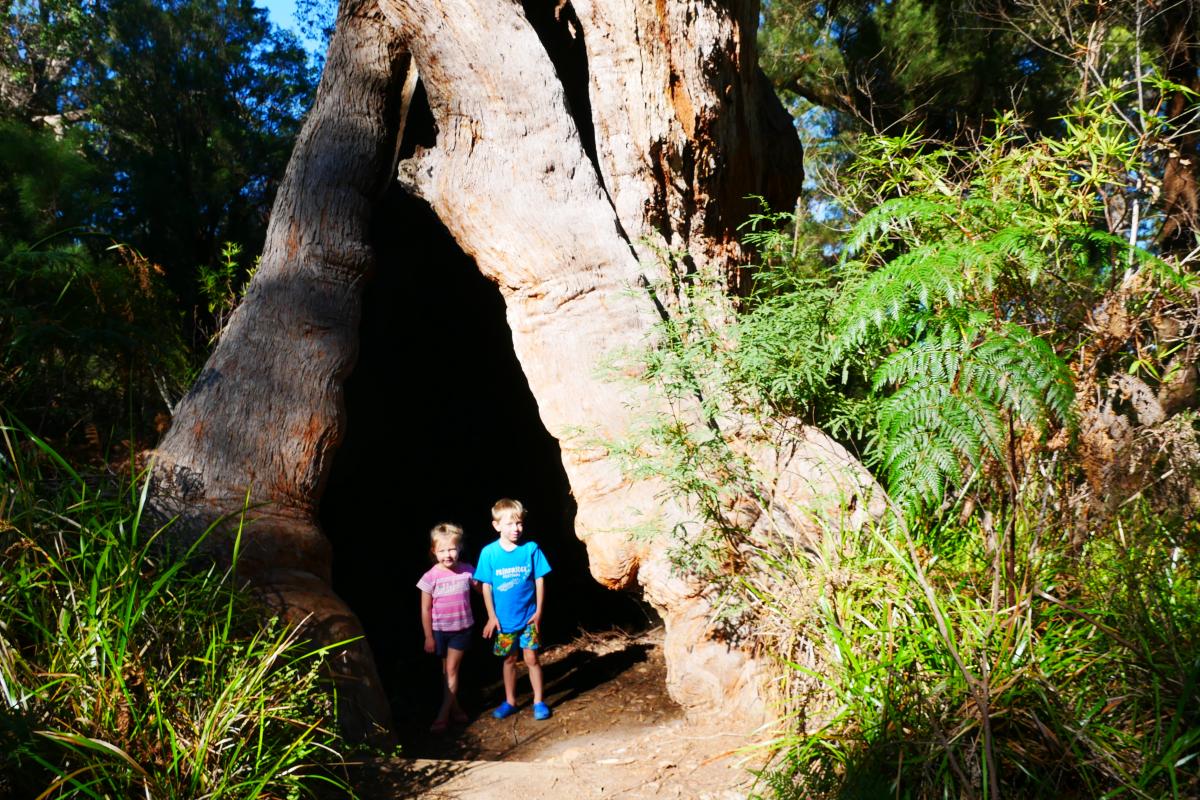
(541,711)
(503,710)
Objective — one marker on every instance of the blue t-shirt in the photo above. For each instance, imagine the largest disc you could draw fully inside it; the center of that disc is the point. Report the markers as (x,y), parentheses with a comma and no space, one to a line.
(512,575)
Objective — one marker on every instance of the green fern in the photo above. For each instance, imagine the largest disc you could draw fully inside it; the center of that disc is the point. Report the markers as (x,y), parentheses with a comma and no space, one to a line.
(894,216)
(953,389)
(936,332)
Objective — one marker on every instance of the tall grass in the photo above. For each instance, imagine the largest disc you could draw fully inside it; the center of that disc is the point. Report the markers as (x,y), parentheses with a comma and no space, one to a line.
(934,682)
(125,674)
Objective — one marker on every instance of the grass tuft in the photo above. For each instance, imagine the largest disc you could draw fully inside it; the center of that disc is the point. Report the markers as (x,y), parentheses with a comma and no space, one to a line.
(123,674)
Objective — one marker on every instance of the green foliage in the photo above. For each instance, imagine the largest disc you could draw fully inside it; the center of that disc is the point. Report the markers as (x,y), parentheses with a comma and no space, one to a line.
(223,286)
(1089,673)
(87,329)
(87,332)
(945,67)
(163,126)
(84,339)
(195,119)
(48,56)
(123,673)
(930,340)
(1007,629)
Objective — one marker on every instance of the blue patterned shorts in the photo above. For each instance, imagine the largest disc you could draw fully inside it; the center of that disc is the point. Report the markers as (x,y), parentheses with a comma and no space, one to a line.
(528,640)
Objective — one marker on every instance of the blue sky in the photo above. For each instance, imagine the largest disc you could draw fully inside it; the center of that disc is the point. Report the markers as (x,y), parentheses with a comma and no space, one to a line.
(283,12)
(283,15)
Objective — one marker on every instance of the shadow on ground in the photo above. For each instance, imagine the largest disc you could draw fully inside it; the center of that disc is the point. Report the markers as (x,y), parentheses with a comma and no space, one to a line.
(573,675)
(387,779)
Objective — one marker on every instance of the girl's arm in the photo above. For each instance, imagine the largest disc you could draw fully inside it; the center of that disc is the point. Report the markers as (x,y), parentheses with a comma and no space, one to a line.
(427,620)
(493,624)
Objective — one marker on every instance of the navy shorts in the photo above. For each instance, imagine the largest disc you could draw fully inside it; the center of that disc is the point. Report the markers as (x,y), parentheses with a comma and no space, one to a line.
(459,640)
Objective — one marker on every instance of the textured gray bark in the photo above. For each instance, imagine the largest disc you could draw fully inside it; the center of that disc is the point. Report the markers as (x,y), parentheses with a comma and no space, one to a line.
(265,416)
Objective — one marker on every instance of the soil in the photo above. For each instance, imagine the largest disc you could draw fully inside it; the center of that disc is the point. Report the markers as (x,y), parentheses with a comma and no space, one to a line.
(614,733)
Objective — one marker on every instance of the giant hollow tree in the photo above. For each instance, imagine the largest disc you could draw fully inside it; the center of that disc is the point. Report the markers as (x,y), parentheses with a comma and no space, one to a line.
(576,142)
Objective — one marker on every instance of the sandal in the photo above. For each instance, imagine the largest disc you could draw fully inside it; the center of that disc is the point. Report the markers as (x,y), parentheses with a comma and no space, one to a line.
(439,726)
(541,711)
(505,709)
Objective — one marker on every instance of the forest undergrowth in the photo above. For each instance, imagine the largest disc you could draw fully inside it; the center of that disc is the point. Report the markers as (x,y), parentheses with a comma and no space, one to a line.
(1000,319)
(127,672)
(999,334)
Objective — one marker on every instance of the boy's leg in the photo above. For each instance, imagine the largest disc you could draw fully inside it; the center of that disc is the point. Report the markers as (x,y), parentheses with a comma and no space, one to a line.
(535,672)
(510,678)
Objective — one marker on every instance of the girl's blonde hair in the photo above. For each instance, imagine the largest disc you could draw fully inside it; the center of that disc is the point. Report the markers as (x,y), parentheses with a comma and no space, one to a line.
(445,531)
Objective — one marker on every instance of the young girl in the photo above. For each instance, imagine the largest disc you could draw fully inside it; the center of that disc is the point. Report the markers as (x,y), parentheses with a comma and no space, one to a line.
(446,615)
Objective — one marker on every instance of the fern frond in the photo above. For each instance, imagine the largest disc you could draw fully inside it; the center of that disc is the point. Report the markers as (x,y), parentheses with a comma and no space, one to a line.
(1021,371)
(919,468)
(890,215)
(1020,245)
(922,279)
(952,390)
(933,410)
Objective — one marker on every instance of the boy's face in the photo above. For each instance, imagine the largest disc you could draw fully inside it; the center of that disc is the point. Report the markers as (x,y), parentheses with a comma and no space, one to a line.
(509,526)
(446,553)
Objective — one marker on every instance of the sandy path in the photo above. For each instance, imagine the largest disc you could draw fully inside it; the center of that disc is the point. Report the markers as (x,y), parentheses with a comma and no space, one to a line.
(614,734)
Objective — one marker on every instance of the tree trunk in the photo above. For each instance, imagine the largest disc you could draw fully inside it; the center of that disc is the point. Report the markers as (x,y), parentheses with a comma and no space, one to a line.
(575,143)
(262,422)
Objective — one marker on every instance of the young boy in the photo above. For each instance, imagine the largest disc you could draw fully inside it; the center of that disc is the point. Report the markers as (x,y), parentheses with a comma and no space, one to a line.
(513,592)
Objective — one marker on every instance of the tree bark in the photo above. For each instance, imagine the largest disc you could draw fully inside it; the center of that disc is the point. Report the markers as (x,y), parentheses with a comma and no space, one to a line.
(575,144)
(573,150)
(261,424)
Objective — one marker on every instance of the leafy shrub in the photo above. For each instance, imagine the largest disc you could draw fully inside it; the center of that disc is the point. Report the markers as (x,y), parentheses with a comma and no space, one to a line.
(935,684)
(1023,621)
(87,330)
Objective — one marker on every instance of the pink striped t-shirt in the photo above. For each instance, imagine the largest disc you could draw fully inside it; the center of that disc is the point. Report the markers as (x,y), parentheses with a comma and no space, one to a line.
(451,591)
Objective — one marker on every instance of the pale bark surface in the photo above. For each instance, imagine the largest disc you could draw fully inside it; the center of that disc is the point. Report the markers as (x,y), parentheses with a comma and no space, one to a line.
(684,129)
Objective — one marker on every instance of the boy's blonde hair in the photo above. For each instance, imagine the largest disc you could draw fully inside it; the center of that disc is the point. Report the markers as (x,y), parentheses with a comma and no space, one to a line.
(506,505)
(445,531)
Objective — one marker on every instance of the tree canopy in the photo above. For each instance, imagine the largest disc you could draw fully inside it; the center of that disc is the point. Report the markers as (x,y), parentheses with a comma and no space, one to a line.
(138,139)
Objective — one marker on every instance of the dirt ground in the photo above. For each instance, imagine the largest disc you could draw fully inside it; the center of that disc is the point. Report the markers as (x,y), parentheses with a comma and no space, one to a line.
(614,733)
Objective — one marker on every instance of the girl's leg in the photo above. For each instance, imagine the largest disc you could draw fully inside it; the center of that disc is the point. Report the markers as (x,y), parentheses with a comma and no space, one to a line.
(453,661)
(535,673)
(447,694)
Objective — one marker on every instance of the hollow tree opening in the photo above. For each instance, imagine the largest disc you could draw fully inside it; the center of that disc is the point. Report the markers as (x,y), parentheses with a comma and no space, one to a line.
(564,208)
(440,424)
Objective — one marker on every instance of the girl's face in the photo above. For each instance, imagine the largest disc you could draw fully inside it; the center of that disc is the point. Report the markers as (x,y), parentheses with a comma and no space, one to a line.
(446,552)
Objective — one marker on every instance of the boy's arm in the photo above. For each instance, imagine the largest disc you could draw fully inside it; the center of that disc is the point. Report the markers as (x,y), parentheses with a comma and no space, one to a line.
(540,592)
(427,620)
(493,624)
